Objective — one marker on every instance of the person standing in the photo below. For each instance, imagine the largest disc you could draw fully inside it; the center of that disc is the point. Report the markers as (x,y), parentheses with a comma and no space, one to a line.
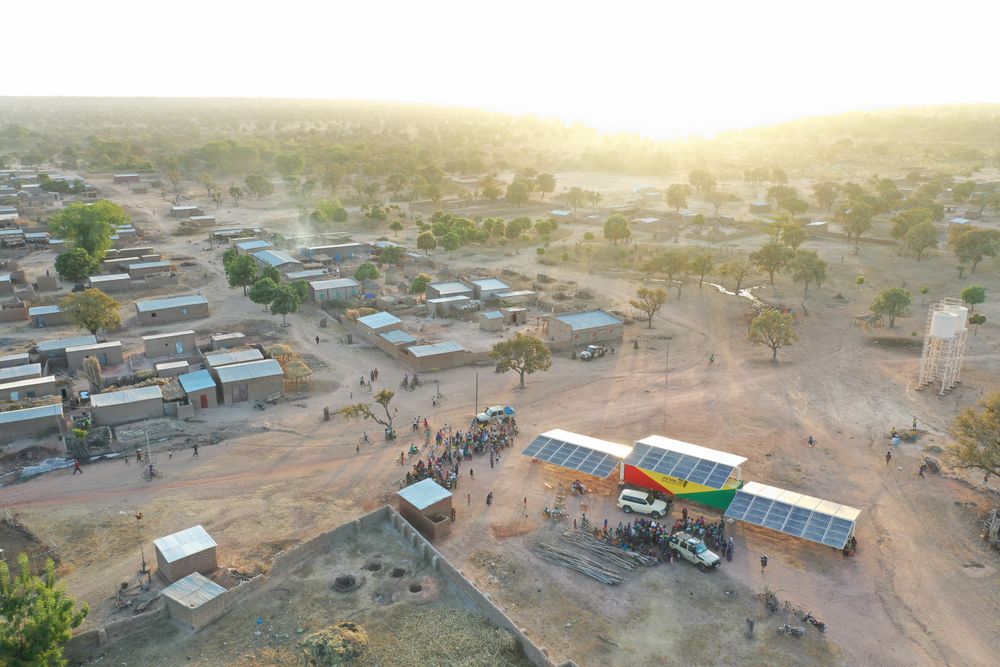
(195,450)
(472,475)
(888,456)
(811,440)
(763,562)
(76,467)
(923,467)
(489,498)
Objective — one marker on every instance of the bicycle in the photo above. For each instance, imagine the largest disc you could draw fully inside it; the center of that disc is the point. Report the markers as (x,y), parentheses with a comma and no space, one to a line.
(151,473)
(364,440)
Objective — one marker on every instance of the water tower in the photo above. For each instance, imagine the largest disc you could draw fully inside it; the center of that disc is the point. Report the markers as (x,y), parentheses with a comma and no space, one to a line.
(944,345)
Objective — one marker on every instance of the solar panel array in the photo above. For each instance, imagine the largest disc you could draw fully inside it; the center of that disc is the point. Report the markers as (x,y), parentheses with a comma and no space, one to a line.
(798,521)
(569,455)
(675,464)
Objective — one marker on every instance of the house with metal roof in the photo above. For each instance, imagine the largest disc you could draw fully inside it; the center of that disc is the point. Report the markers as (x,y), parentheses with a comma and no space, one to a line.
(185,552)
(55,350)
(442,306)
(446,354)
(107,354)
(171,309)
(32,421)
(24,371)
(143,269)
(491,320)
(250,381)
(380,322)
(170,344)
(450,288)
(9,360)
(171,369)
(306,274)
(398,337)
(591,326)
(252,246)
(224,341)
(35,387)
(338,289)
(47,316)
(111,282)
(487,288)
(224,358)
(278,259)
(127,405)
(195,600)
(427,506)
(186,211)
(200,389)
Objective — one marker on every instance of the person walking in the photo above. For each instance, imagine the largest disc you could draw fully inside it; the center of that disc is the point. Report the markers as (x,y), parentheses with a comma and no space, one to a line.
(317,340)
(489,498)
(888,456)
(472,475)
(195,450)
(357,448)
(811,440)
(468,499)
(923,467)
(76,467)
(763,562)
(126,458)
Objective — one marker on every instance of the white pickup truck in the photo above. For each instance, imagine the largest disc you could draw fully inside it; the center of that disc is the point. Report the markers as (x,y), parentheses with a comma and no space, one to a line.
(495,413)
(692,549)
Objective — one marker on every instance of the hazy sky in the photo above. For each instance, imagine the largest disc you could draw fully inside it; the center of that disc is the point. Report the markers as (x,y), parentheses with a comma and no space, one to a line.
(664,68)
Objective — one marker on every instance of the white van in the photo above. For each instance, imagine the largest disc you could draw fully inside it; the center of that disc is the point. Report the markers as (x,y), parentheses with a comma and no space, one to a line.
(641,502)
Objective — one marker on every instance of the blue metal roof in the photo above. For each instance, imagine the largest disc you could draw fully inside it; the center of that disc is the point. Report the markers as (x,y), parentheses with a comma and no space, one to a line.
(492,315)
(63,343)
(256,243)
(149,265)
(489,284)
(398,337)
(588,320)
(275,257)
(44,310)
(216,359)
(336,283)
(453,287)
(436,348)
(17,372)
(379,320)
(40,412)
(170,302)
(197,381)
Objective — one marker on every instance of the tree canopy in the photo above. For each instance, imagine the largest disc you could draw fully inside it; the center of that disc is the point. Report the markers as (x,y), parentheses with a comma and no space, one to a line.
(771,258)
(383,398)
(974,295)
(262,292)
(89,226)
(284,301)
(977,437)
(677,195)
(773,329)
(367,271)
(649,301)
(92,310)
(524,354)
(77,265)
(241,271)
(616,228)
(892,303)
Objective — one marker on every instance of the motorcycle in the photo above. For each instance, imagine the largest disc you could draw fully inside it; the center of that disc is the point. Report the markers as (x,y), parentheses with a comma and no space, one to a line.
(258,405)
(815,622)
(555,512)
(787,629)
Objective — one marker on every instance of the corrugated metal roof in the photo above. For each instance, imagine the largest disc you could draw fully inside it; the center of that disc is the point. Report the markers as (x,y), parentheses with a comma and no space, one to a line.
(214,360)
(256,243)
(424,493)
(40,412)
(492,315)
(44,310)
(249,371)
(170,302)
(305,275)
(184,543)
(22,356)
(337,283)
(449,299)
(437,348)
(149,265)
(109,278)
(187,332)
(398,337)
(24,370)
(126,396)
(27,382)
(452,287)
(193,590)
(168,365)
(588,320)
(95,346)
(63,343)
(275,257)
(489,284)
(516,293)
(379,320)
(197,381)
(228,336)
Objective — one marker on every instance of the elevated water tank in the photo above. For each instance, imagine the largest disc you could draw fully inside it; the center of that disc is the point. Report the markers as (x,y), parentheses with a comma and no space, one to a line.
(961,312)
(944,325)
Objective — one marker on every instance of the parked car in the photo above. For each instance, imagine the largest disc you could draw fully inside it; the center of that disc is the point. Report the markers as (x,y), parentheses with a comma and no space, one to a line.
(694,550)
(641,502)
(593,352)
(495,413)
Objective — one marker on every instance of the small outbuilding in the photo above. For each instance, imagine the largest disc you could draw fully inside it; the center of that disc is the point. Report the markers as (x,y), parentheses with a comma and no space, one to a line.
(55,350)
(380,322)
(250,381)
(172,344)
(398,337)
(18,390)
(20,359)
(108,354)
(515,315)
(111,282)
(228,340)
(446,354)
(339,289)
(127,405)
(227,357)
(185,552)
(125,178)
(22,372)
(491,320)
(451,288)
(442,306)
(195,601)
(307,275)
(171,309)
(427,506)
(587,327)
(143,269)
(185,211)
(32,421)
(487,288)
(250,247)
(170,369)
(47,316)
(200,389)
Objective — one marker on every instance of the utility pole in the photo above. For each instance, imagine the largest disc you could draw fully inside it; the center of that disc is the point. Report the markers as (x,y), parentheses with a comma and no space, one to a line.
(477,394)
(666,382)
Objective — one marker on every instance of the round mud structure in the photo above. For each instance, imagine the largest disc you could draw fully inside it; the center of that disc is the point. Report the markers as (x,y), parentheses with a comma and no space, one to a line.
(345,582)
(373,565)
(397,572)
(416,588)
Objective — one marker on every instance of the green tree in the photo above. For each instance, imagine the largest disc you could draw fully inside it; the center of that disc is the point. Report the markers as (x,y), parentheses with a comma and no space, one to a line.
(977,437)
(76,265)
(367,271)
(701,264)
(717,198)
(807,269)
(892,303)
(974,244)
(649,301)
(793,235)
(738,270)
(545,183)
(339,215)
(921,237)
(524,354)
(451,242)
(701,180)
(771,258)
(272,273)
(616,228)
(491,188)
(236,192)
(517,227)
(518,192)
(677,196)
(89,226)
(37,617)
(976,319)
(420,283)
(241,271)
(773,329)
(426,241)
(285,302)
(92,310)
(961,192)
(396,226)
(856,217)
(229,256)
(391,256)
(301,289)
(289,164)
(364,411)
(576,197)
(826,194)
(262,292)
(259,186)
(904,221)
(974,295)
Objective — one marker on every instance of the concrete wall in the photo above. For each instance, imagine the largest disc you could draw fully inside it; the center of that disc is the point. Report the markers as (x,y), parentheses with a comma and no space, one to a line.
(434,522)
(257,389)
(39,426)
(211,397)
(168,315)
(88,644)
(112,356)
(16,312)
(561,332)
(112,415)
(203,562)
(51,320)
(167,346)
(37,390)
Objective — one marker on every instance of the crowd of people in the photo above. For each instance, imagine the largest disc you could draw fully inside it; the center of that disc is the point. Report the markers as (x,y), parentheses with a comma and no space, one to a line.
(451,448)
(650,538)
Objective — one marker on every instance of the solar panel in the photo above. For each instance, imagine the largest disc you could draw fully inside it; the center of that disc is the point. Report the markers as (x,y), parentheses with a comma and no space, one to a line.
(808,524)
(675,464)
(572,456)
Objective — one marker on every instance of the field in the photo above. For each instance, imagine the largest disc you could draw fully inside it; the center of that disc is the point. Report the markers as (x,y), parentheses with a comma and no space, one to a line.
(920,590)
